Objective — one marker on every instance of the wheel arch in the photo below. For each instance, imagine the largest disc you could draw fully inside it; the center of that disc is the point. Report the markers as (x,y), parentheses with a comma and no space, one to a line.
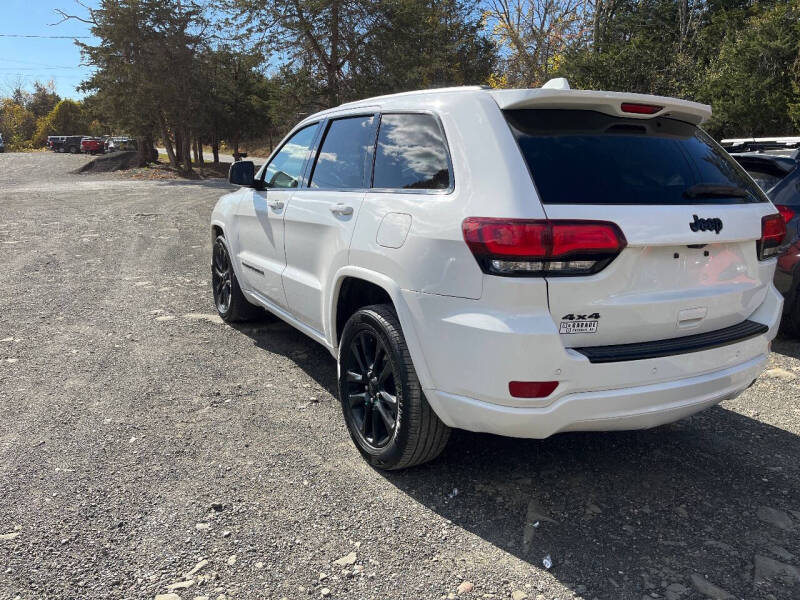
(352,277)
(217,229)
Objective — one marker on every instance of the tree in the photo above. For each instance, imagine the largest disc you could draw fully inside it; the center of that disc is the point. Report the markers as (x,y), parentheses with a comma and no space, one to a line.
(43,99)
(750,82)
(237,101)
(146,69)
(67,118)
(534,36)
(17,124)
(422,44)
(322,37)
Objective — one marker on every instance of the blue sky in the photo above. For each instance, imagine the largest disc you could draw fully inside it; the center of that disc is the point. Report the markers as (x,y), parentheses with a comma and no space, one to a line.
(43,59)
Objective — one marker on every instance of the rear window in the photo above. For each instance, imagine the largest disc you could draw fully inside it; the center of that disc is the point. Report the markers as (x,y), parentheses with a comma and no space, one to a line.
(587,157)
(411,154)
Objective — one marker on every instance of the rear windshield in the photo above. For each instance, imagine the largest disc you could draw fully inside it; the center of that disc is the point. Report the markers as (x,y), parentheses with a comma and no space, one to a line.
(587,157)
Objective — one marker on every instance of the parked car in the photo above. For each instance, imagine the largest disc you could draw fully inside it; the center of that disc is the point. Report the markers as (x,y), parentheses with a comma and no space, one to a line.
(54,140)
(2,144)
(120,144)
(776,169)
(518,262)
(92,145)
(65,143)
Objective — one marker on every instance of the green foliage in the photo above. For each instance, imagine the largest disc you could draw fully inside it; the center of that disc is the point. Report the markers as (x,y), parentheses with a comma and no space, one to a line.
(420,44)
(749,82)
(67,118)
(17,124)
(43,99)
(734,55)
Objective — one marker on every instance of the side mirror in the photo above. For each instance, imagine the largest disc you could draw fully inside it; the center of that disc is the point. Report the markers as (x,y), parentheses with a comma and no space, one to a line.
(242,173)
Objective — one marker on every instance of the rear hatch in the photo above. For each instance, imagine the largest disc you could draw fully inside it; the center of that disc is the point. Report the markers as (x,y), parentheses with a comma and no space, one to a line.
(690,215)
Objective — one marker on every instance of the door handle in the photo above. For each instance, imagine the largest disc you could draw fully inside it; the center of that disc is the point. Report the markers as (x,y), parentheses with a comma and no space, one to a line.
(341,209)
(275,204)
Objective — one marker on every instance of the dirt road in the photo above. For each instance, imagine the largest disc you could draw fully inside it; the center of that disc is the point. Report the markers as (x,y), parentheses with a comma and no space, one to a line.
(146,448)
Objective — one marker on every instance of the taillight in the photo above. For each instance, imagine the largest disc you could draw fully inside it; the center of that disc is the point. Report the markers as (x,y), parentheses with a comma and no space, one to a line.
(773,230)
(528,247)
(786,212)
(640,109)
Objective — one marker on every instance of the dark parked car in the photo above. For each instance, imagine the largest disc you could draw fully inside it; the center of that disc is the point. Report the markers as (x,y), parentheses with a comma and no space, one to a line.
(65,143)
(774,164)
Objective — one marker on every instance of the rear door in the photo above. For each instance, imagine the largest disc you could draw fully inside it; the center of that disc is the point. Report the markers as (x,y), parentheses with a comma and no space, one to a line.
(320,218)
(689,214)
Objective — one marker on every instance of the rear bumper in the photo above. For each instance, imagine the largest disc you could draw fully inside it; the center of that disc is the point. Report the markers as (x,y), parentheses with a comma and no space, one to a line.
(467,353)
(639,407)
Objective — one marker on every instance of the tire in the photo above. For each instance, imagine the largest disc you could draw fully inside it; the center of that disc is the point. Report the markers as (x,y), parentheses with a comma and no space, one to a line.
(74,150)
(231,304)
(373,349)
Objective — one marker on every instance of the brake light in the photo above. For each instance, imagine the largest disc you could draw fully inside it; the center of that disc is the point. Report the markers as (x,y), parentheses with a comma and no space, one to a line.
(786,212)
(531,389)
(640,109)
(773,230)
(533,247)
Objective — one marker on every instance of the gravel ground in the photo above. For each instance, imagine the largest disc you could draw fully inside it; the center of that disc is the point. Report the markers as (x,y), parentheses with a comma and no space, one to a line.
(146,448)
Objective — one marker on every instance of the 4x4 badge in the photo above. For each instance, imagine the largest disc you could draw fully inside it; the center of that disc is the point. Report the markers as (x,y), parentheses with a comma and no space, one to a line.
(712,224)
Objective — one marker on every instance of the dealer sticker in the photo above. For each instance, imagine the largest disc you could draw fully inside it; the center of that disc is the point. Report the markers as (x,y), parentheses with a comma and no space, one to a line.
(578,327)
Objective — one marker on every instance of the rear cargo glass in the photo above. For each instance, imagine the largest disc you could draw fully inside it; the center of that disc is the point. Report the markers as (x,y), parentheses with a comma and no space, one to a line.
(587,157)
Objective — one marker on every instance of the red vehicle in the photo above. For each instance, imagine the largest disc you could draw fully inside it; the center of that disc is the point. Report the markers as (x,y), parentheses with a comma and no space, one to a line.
(92,146)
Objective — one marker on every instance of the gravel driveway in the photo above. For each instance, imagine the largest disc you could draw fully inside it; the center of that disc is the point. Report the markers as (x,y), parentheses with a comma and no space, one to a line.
(148,449)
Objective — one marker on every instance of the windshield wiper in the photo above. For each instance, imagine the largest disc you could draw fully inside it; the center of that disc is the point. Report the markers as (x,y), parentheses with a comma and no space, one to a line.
(715,190)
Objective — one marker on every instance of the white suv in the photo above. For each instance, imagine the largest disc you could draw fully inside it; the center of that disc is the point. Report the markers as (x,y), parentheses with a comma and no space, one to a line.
(519,262)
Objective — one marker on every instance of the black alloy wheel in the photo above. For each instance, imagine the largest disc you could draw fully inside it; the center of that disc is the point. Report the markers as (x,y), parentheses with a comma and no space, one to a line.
(229,300)
(221,277)
(384,407)
(371,402)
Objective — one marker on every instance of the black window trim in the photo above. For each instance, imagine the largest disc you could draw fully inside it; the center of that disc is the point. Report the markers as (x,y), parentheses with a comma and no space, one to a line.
(311,150)
(438,121)
(369,166)
(317,148)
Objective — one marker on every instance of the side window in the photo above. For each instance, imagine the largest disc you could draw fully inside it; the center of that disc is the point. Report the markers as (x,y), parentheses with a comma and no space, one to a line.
(342,157)
(411,154)
(286,168)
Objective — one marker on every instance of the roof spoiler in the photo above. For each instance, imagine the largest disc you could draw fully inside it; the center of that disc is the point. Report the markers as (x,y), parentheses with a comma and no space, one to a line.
(556,94)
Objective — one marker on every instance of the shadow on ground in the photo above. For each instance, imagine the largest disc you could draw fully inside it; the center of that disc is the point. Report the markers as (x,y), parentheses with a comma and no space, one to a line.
(621,515)
(787,345)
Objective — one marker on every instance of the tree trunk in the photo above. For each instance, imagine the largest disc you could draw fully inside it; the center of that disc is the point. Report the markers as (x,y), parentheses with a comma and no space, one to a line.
(215,147)
(167,141)
(333,64)
(179,145)
(200,153)
(195,150)
(144,150)
(187,151)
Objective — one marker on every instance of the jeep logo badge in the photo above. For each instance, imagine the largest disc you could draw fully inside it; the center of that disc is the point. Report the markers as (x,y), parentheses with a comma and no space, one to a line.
(706,224)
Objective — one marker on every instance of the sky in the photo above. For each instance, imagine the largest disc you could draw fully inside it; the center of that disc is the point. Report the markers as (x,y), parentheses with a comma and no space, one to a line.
(27,60)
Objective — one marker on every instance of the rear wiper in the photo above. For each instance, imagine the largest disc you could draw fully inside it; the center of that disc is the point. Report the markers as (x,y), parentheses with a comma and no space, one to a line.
(715,190)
